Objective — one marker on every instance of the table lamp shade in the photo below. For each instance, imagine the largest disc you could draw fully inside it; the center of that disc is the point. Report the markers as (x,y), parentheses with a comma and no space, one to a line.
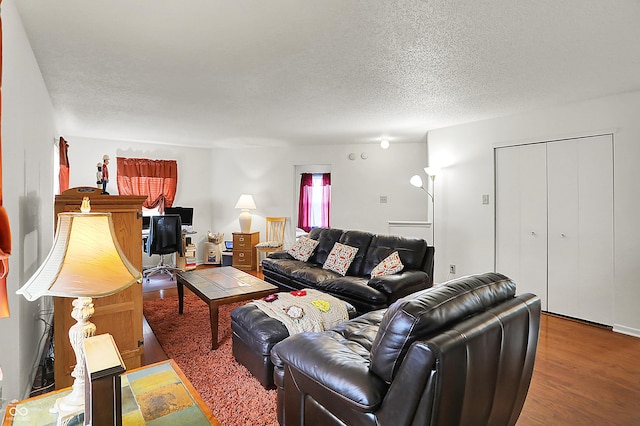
(85,261)
(246,202)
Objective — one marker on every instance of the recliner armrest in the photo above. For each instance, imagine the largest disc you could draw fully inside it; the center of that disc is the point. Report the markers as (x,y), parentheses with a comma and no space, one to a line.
(331,364)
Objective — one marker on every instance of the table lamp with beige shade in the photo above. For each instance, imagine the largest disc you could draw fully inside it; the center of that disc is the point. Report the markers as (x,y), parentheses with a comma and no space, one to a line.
(245,203)
(85,261)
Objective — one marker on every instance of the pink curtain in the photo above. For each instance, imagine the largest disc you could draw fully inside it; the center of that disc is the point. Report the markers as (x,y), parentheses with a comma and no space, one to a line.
(305,206)
(157,179)
(326,200)
(63,175)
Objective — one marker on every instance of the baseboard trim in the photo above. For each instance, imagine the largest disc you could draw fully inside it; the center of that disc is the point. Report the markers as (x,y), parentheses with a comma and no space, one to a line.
(626,330)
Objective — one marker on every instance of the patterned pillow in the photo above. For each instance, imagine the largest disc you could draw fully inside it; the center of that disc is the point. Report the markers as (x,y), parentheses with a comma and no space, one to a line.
(340,258)
(303,248)
(390,265)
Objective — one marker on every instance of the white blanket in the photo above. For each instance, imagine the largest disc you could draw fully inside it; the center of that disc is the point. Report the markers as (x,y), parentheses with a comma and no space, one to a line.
(316,311)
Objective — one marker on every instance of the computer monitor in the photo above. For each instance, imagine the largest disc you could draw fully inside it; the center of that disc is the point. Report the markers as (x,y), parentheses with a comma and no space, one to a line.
(146,222)
(186,214)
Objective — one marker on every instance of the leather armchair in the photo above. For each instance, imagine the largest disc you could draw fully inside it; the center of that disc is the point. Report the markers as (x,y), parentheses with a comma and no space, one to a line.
(461,353)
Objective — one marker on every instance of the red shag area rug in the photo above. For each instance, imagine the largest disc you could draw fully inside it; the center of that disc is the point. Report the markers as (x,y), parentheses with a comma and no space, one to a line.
(233,394)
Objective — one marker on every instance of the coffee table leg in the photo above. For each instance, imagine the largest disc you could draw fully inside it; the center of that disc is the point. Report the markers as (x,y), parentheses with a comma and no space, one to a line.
(213,315)
(180,295)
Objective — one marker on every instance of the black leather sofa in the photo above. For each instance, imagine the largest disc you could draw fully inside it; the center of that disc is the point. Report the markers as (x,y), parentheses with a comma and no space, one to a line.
(461,353)
(356,287)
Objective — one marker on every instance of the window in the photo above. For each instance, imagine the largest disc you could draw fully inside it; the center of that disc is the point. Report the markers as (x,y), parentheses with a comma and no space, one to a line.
(315,200)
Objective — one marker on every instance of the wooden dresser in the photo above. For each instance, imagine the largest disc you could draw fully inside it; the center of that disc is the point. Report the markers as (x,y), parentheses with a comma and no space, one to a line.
(244,253)
(119,314)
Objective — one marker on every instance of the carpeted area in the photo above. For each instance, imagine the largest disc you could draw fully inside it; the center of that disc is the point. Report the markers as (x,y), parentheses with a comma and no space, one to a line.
(232,393)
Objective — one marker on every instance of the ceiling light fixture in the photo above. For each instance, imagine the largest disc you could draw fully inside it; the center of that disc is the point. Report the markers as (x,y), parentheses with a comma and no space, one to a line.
(384,144)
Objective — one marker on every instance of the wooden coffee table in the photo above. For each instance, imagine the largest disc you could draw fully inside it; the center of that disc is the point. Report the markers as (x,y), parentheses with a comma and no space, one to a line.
(220,286)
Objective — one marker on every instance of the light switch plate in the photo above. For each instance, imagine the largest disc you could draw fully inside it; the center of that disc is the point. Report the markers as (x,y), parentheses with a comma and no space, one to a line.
(485,199)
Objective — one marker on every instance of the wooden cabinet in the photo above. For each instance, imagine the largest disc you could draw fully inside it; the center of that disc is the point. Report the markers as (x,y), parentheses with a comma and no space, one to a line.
(119,314)
(244,253)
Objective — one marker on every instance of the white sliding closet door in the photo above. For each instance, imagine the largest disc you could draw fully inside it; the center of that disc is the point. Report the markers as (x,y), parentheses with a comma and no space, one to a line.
(521,217)
(580,223)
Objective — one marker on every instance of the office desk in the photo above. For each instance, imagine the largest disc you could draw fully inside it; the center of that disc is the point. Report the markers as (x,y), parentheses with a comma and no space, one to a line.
(158,393)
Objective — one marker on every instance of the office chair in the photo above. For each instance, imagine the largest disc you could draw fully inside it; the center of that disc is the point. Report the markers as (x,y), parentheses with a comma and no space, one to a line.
(275,237)
(165,237)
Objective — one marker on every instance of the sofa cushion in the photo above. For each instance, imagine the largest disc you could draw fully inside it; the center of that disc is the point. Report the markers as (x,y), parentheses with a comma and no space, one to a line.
(311,275)
(412,252)
(340,258)
(282,266)
(420,314)
(353,288)
(361,240)
(326,238)
(359,333)
(390,265)
(303,248)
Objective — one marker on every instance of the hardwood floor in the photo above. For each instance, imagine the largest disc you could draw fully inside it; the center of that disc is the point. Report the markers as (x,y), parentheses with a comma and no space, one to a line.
(584,374)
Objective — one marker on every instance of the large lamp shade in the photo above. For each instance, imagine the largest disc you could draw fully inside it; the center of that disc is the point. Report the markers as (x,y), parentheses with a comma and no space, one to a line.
(85,261)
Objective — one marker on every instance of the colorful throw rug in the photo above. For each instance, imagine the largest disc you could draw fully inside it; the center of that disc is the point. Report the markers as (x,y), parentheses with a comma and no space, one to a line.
(233,394)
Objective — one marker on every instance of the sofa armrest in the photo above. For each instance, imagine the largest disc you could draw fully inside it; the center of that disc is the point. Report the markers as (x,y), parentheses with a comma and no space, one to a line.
(280,254)
(335,370)
(400,284)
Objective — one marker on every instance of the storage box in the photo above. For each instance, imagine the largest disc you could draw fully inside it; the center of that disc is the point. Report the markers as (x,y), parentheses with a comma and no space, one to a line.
(212,254)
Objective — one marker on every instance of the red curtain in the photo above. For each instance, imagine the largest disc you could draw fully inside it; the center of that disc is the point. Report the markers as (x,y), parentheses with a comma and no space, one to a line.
(63,175)
(157,179)
(5,231)
(306,204)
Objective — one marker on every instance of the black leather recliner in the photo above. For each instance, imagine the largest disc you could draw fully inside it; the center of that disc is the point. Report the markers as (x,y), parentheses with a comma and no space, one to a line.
(461,353)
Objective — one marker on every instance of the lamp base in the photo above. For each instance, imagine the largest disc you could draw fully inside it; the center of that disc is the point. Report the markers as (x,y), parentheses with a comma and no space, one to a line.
(245,221)
(66,410)
(72,404)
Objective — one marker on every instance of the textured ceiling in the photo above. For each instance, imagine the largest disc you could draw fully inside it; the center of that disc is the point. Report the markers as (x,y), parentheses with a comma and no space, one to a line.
(221,73)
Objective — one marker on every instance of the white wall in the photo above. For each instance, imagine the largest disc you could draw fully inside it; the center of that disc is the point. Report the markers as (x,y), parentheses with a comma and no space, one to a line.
(193,175)
(356,185)
(465,227)
(28,133)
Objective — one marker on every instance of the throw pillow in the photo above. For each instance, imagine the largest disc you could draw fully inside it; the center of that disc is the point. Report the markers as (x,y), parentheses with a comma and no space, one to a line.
(390,265)
(340,258)
(303,248)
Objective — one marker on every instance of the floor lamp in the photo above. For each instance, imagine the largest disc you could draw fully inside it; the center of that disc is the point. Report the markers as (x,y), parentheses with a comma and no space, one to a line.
(416,181)
(85,261)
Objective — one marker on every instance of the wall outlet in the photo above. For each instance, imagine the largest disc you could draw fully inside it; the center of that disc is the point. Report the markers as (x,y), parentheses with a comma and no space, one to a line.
(452,269)
(383,199)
